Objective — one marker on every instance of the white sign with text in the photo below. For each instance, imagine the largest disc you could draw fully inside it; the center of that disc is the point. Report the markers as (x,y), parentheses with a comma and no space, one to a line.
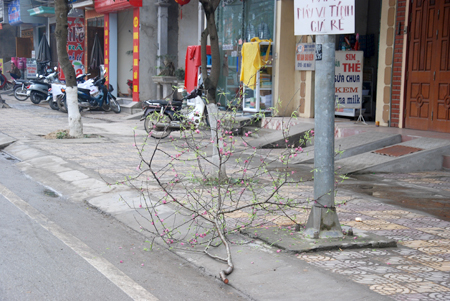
(348,79)
(316,17)
(305,57)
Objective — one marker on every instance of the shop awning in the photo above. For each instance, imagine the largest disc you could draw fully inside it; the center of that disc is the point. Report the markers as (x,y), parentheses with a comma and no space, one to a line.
(110,6)
(42,11)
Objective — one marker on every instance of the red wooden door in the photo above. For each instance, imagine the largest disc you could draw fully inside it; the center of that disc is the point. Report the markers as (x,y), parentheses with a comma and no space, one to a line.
(428,75)
(419,92)
(441,105)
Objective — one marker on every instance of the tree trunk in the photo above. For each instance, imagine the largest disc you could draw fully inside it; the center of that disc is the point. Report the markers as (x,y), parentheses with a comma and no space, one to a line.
(210,81)
(75,124)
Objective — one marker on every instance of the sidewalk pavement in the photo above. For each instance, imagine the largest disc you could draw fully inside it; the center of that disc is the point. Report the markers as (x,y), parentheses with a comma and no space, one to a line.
(418,269)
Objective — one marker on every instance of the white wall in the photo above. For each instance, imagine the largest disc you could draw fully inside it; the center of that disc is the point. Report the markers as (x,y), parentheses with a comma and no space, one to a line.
(124,44)
(148,48)
(187,30)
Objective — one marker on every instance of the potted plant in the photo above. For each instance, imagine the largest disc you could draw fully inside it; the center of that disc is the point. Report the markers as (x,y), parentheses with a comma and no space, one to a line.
(130,87)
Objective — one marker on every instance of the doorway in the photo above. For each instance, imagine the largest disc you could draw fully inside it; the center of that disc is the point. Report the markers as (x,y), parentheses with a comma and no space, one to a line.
(428,70)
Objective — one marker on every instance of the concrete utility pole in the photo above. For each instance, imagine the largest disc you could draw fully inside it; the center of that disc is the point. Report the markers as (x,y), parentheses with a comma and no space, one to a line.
(323,220)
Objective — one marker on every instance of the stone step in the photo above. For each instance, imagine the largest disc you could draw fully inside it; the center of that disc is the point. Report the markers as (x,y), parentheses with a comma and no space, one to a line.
(430,158)
(129,106)
(352,145)
(295,135)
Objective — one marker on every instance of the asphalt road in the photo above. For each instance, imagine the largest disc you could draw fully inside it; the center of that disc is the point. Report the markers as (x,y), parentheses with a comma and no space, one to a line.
(53,249)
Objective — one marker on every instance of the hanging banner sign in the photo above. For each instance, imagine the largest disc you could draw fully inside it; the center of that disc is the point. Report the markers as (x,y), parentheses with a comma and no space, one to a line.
(348,79)
(313,17)
(305,57)
(14,13)
(75,44)
(1,66)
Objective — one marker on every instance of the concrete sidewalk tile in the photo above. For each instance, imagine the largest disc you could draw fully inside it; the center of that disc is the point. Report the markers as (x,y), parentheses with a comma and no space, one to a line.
(72,175)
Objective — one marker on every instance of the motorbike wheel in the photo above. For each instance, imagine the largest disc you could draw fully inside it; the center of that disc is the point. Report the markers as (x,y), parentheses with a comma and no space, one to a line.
(115,106)
(36,98)
(53,105)
(61,101)
(150,125)
(20,93)
(106,107)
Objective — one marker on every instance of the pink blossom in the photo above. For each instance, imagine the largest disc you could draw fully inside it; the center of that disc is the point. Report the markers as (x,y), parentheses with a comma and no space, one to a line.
(278,251)
(197,131)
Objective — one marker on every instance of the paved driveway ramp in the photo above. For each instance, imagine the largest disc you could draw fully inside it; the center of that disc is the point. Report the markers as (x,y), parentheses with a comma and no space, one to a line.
(428,155)
(351,146)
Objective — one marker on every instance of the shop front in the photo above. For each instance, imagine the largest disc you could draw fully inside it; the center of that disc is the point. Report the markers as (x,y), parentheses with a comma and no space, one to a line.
(19,16)
(280,89)
(121,43)
(238,22)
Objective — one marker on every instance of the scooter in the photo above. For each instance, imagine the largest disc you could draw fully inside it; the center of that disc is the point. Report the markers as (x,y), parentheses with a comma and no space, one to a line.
(20,89)
(38,90)
(55,89)
(162,117)
(96,97)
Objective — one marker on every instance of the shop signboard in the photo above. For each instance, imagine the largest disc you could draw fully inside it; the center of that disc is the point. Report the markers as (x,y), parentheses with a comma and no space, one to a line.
(348,79)
(110,6)
(75,43)
(14,13)
(313,17)
(31,68)
(305,57)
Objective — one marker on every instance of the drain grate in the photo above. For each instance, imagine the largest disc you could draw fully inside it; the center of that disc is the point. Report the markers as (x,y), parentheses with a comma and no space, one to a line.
(397,150)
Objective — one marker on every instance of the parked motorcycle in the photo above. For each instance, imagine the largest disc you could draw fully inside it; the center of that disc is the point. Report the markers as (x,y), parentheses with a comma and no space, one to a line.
(98,96)
(162,117)
(20,89)
(5,84)
(56,89)
(38,89)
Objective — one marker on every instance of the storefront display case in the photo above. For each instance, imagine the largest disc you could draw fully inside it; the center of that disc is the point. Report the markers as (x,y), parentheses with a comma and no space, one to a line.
(260,99)
(237,23)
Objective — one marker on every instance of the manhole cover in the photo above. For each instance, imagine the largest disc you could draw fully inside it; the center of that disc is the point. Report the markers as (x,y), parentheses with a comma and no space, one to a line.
(397,150)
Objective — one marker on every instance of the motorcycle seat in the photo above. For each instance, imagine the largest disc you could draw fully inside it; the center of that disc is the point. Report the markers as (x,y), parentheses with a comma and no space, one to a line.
(161,102)
(22,80)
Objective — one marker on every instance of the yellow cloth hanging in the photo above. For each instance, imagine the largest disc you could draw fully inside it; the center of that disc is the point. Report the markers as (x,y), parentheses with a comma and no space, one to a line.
(251,61)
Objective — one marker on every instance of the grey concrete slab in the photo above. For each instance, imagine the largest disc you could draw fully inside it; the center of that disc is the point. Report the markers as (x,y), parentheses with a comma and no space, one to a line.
(352,145)
(430,158)
(5,140)
(278,140)
(23,152)
(296,242)
(130,107)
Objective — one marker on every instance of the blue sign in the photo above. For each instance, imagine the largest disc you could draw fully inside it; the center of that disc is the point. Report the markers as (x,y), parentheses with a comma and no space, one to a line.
(14,12)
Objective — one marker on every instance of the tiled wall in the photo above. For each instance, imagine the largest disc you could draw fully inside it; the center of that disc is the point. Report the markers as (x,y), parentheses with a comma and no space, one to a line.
(397,78)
